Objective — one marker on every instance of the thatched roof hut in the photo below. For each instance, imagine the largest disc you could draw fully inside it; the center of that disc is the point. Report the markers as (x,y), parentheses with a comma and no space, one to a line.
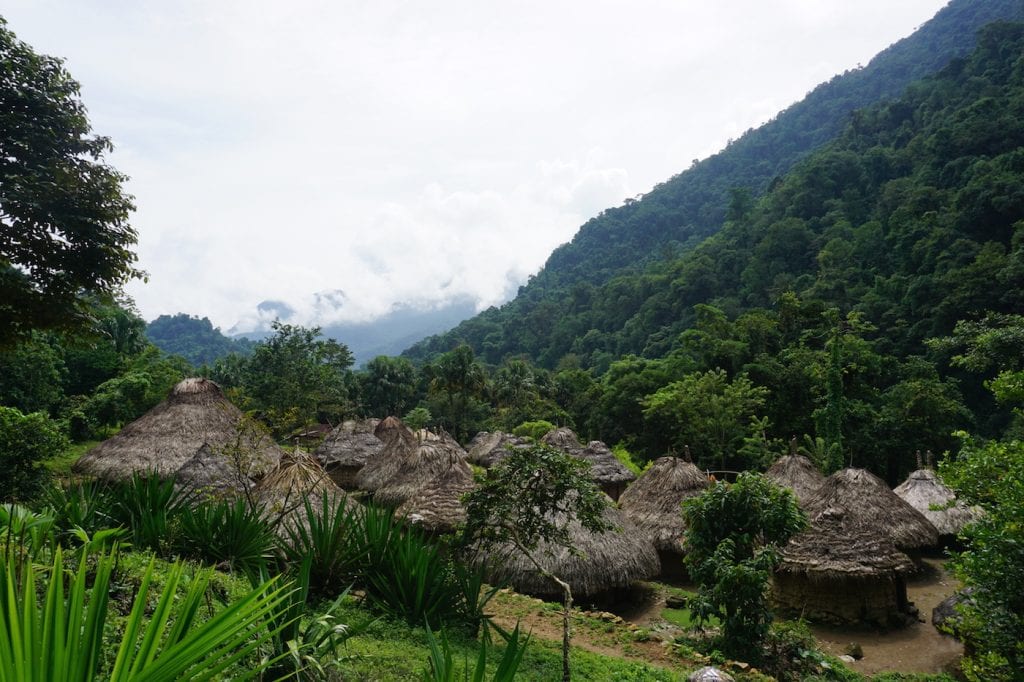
(797,473)
(927,494)
(843,571)
(604,561)
(195,413)
(867,501)
(437,506)
(398,442)
(653,502)
(605,468)
(284,491)
(434,457)
(347,448)
(211,472)
(488,448)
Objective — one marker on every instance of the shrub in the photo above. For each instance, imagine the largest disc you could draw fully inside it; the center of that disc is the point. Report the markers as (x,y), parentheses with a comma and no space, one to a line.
(82,505)
(534,429)
(26,440)
(227,532)
(332,536)
(441,665)
(148,506)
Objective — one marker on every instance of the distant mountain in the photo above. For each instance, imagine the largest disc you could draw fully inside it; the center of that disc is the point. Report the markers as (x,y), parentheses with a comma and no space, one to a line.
(389,334)
(679,214)
(193,338)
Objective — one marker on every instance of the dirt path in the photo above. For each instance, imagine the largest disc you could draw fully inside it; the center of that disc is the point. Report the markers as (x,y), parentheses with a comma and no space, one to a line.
(919,648)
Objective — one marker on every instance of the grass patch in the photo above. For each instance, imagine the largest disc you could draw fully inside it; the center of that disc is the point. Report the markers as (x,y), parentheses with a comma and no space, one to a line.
(60,465)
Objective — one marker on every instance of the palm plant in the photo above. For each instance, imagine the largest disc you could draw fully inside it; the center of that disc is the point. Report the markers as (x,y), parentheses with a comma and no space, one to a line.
(228,533)
(441,665)
(64,638)
(147,505)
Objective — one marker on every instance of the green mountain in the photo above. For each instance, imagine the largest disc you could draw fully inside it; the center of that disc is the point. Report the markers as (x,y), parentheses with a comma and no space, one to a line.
(193,338)
(679,214)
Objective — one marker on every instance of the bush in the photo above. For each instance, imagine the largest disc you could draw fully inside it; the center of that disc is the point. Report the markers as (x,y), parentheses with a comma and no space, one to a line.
(26,440)
(331,535)
(228,533)
(83,505)
(534,430)
(148,506)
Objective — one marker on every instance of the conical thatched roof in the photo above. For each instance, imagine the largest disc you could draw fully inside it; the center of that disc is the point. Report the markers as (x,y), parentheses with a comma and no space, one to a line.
(837,546)
(653,502)
(211,472)
(605,468)
(923,490)
(435,456)
(866,501)
(398,441)
(487,449)
(604,561)
(350,444)
(797,473)
(284,491)
(162,440)
(437,506)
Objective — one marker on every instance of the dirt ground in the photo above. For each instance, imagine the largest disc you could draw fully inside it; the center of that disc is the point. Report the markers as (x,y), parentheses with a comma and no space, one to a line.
(919,648)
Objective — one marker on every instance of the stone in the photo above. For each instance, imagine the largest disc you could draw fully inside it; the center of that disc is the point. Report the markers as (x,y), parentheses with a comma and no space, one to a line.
(675,601)
(710,674)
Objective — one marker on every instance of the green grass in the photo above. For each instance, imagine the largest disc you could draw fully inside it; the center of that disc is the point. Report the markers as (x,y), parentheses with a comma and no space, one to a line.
(60,466)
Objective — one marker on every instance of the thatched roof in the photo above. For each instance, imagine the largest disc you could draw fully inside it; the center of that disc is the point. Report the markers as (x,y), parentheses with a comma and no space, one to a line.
(837,545)
(605,467)
(213,472)
(797,473)
(398,441)
(866,501)
(923,490)
(350,444)
(487,449)
(437,506)
(195,413)
(652,502)
(434,457)
(299,477)
(603,561)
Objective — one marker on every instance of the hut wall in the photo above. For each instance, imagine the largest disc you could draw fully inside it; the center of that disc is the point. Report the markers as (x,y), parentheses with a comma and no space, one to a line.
(672,568)
(613,490)
(344,476)
(880,601)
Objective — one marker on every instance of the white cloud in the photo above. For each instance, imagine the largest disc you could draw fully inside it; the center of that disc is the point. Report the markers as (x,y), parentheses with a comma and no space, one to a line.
(405,152)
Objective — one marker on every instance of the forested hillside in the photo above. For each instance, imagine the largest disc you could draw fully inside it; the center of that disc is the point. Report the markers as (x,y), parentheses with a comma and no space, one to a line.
(193,338)
(676,215)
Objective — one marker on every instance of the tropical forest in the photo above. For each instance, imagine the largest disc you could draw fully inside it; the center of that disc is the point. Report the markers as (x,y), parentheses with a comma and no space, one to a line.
(762,422)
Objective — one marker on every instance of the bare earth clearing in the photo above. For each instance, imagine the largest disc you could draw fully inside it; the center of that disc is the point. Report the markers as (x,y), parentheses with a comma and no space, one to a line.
(639,630)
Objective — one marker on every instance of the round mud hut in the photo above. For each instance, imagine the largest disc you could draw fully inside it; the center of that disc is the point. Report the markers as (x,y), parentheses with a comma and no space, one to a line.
(488,448)
(347,448)
(866,501)
(195,413)
(398,441)
(927,494)
(842,571)
(653,504)
(435,456)
(603,561)
(437,506)
(797,473)
(605,468)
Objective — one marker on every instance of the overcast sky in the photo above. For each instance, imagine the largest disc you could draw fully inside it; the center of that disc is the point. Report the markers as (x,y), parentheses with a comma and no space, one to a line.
(416,152)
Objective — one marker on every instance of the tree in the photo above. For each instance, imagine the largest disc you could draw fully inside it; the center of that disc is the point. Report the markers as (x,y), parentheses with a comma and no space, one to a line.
(26,440)
(389,386)
(459,378)
(295,376)
(64,231)
(732,540)
(531,499)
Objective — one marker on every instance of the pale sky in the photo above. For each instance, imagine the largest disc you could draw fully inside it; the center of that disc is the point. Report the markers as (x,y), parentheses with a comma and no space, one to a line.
(416,152)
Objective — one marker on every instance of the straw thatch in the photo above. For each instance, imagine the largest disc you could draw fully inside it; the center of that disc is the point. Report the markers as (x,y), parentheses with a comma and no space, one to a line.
(398,441)
(840,570)
(653,502)
(605,468)
(195,413)
(927,494)
(435,456)
(437,506)
(487,449)
(347,448)
(211,472)
(604,561)
(867,501)
(284,491)
(797,473)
